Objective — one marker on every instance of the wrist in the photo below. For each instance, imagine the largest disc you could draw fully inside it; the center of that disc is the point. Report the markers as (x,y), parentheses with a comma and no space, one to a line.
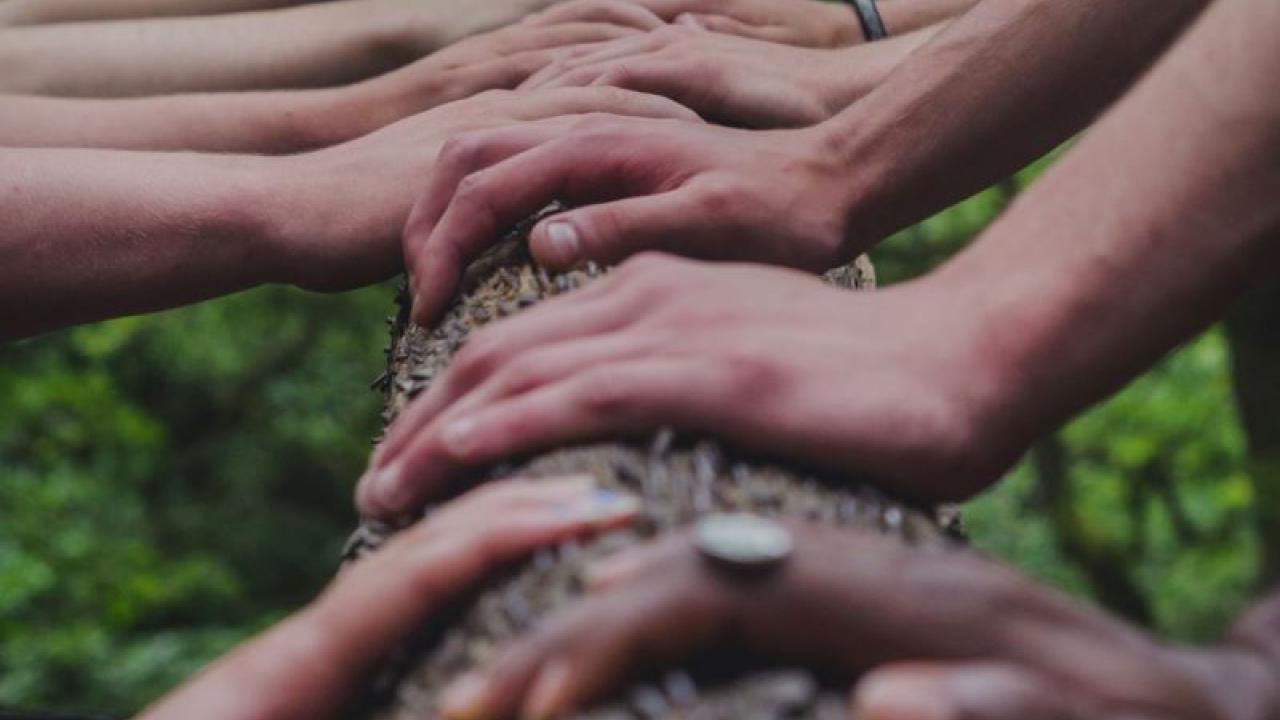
(328,223)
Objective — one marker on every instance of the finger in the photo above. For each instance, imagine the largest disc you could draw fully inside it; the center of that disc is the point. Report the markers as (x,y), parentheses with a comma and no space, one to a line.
(491,349)
(579,58)
(412,475)
(580,655)
(616,12)
(973,691)
(732,26)
(425,566)
(611,400)
(559,102)
(567,34)
(477,198)
(674,221)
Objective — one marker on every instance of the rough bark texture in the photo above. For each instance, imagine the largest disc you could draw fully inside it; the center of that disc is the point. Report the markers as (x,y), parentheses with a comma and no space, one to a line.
(679,478)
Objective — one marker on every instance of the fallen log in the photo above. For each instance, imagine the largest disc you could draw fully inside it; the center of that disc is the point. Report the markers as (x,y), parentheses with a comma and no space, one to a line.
(678,478)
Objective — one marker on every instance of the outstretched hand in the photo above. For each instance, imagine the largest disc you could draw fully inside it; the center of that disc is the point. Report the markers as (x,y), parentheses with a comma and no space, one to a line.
(639,184)
(728,79)
(340,211)
(952,636)
(308,666)
(892,384)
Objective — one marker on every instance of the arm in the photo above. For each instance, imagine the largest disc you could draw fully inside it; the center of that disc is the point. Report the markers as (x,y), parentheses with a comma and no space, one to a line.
(994,89)
(283,121)
(91,234)
(38,12)
(306,46)
(1121,251)
(308,666)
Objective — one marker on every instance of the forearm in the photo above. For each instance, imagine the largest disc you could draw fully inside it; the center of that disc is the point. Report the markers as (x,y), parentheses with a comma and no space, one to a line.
(93,234)
(850,73)
(36,12)
(998,87)
(263,122)
(324,44)
(1140,236)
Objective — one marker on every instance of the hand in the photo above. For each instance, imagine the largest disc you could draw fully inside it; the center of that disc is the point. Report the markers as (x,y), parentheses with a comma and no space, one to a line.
(308,666)
(997,648)
(728,79)
(691,189)
(500,59)
(893,385)
(336,215)
(795,22)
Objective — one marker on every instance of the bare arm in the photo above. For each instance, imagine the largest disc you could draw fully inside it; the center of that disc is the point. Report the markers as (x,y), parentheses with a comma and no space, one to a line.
(307,46)
(997,88)
(92,234)
(281,121)
(38,12)
(1135,241)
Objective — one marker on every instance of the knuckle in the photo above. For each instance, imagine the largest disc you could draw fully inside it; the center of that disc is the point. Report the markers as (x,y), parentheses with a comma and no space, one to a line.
(604,392)
(461,150)
(719,197)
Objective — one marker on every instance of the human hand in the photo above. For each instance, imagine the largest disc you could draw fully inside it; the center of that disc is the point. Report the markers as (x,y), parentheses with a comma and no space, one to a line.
(729,79)
(795,22)
(995,647)
(692,189)
(896,385)
(309,665)
(500,59)
(336,215)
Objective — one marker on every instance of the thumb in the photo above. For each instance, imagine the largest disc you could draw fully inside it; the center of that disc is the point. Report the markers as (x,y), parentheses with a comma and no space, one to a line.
(973,691)
(611,232)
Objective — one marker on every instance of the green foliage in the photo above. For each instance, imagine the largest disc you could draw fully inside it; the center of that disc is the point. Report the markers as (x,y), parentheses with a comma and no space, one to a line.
(174,483)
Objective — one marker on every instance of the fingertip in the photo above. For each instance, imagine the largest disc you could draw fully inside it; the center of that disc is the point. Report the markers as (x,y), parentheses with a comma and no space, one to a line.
(551,693)
(557,243)
(901,695)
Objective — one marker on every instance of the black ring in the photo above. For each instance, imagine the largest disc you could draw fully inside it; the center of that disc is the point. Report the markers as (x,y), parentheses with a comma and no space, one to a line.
(869,18)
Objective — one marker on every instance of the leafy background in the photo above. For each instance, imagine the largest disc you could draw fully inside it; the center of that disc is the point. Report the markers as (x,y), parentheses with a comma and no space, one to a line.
(172,484)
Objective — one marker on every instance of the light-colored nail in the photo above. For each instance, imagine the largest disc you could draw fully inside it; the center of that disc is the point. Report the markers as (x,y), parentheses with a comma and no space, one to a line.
(548,697)
(466,698)
(603,506)
(458,436)
(689,20)
(566,245)
(901,697)
(387,486)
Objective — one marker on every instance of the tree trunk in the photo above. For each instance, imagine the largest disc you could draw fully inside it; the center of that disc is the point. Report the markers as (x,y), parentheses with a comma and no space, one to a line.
(678,478)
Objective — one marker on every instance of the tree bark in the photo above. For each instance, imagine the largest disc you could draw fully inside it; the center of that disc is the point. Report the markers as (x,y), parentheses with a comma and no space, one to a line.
(679,478)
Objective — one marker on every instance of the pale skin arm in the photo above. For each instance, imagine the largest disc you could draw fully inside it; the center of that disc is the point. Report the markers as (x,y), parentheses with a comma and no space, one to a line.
(997,87)
(1124,249)
(92,234)
(38,12)
(315,45)
(282,121)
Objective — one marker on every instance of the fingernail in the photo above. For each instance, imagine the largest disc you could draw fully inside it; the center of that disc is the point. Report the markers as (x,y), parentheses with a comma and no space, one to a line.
(690,20)
(547,698)
(458,435)
(603,505)
(564,241)
(388,487)
(900,697)
(466,698)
